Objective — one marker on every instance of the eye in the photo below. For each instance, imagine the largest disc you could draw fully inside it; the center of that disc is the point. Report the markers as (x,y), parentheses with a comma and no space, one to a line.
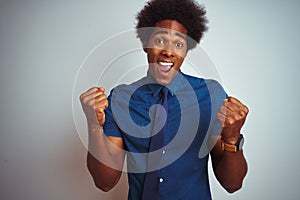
(179,44)
(159,41)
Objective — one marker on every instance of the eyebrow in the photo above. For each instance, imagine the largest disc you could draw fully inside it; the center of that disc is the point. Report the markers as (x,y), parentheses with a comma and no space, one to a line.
(166,32)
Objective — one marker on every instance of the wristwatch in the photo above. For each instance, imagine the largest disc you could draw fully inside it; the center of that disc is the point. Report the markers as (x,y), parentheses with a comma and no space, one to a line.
(233,147)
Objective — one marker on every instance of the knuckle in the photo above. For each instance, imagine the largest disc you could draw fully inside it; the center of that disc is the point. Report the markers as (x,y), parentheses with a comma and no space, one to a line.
(231,121)
(97,99)
(242,114)
(237,118)
(95,95)
(106,102)
(103,96)
(84,100)
(247,110)
(94,89)
(81,97)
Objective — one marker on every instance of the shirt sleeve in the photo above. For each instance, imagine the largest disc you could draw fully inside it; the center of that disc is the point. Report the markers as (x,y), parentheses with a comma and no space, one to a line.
(217,96)
(110,127)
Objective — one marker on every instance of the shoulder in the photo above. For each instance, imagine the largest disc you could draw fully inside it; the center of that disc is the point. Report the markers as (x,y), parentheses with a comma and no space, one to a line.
(193,80)
(210,86)
(214,85)
(125,92)
(198,82)
(128,89)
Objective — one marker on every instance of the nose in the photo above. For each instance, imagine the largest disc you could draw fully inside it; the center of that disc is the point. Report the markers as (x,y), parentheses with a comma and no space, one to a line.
(167,51)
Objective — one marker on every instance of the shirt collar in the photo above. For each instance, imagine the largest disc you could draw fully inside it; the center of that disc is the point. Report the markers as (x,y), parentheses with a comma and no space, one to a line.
(155,88)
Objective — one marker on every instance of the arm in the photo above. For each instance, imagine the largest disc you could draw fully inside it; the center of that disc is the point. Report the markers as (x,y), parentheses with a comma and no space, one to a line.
(105,154)
(230,168)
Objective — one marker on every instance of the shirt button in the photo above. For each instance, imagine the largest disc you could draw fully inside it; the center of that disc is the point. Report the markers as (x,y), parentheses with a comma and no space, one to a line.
(161,180)
(163,152)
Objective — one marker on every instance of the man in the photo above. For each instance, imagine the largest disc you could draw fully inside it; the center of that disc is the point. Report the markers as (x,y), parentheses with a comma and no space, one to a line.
(167,30)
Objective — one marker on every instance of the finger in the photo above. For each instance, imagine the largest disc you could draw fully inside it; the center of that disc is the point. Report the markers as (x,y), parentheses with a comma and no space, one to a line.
(225,120)
(90,91)
(101,117)
(101,89)
(101,97)
(96,103)
(231,106)
(225,111)
(86,96)
(221,118)
(102,104)
(96,95)
(240,110)
(229,117)
(237,112)
(234,100)
(233,115)
(238,104)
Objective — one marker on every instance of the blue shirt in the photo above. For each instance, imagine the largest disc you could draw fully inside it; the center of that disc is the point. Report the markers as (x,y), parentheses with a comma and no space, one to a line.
(193,104)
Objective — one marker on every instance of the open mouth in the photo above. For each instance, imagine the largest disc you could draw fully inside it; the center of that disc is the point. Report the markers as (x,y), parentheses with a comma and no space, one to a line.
(165,66)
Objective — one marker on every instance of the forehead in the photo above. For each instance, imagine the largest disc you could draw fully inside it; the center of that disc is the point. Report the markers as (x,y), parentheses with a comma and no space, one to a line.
(170,26)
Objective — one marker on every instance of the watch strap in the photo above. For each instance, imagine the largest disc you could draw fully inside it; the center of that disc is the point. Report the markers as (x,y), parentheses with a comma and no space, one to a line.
(231,147)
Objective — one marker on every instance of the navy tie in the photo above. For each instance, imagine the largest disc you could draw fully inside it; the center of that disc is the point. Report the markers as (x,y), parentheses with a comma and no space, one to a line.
(151,184)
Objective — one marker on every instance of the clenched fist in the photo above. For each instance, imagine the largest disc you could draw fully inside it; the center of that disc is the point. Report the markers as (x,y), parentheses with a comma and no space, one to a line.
(232,115)
(94,102)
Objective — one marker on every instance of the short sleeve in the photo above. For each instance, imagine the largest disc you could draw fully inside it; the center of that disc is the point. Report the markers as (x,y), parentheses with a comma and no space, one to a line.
(217,95)
(110,127)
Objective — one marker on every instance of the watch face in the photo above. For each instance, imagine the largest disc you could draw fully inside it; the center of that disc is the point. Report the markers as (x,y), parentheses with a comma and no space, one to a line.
(241,143)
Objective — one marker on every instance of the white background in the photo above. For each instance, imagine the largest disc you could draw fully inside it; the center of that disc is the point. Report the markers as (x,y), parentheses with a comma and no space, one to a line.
(253,44)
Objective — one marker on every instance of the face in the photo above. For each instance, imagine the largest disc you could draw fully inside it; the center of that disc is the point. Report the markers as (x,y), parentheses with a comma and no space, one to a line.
(166,50)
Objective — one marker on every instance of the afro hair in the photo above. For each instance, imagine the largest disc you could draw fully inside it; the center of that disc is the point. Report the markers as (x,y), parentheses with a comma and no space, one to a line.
(187,12)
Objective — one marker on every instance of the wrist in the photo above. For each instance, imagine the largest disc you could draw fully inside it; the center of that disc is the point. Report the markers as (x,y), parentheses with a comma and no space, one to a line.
(94,127)
(93,122)
(231,140)
(232,145)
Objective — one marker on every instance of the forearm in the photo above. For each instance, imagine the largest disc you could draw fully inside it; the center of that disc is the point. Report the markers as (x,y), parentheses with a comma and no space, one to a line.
(230,170)
(105,159)
(105,178)
(229,164)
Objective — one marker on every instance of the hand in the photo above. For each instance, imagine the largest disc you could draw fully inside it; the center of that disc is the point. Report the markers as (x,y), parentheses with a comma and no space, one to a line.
(232,115)
(94,102)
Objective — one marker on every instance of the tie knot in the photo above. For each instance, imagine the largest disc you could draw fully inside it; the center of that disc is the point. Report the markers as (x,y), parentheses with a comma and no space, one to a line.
(164,92)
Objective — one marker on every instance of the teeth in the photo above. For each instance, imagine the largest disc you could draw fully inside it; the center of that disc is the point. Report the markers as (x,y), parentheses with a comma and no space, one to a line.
(166,63)
(165,66)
